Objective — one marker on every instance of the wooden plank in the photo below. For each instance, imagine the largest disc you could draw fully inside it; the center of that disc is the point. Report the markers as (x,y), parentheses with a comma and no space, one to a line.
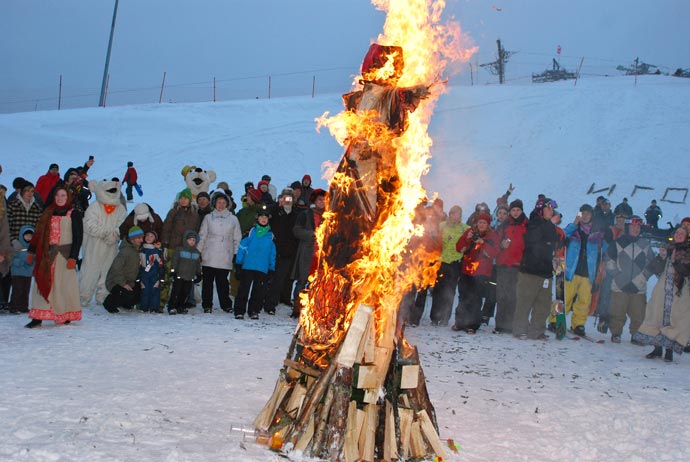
(351,447)
(304,440)
(265,417)
(367,437)
(430,434)
(371,395)
(409,378)
(306,370)
(390,447)
(417,440)
(348,349)
(369,350)
(365,340)
(367,376)
(295,401)
(406,418)
(382,361)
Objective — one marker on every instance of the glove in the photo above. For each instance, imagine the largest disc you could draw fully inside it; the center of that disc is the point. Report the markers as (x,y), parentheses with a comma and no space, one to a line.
(197,279)
(30,258)
(71,263)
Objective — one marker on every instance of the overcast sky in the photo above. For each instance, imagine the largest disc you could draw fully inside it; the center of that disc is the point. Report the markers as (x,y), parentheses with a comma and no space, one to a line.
(242,42)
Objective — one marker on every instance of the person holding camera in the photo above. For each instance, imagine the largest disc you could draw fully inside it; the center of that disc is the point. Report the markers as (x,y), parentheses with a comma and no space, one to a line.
(480,245)
(283,217)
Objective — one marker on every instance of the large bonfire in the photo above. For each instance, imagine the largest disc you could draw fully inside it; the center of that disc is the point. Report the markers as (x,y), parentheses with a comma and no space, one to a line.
(351,387)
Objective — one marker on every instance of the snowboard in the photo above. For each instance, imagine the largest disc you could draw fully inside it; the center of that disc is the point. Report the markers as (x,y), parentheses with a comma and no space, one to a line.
(596,287)
(558,305)
(140,191)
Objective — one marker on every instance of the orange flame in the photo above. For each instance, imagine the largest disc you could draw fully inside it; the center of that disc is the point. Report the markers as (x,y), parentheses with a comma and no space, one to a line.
(365,255)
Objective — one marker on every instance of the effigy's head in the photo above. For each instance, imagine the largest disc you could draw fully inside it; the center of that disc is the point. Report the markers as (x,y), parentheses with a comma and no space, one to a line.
(383,64)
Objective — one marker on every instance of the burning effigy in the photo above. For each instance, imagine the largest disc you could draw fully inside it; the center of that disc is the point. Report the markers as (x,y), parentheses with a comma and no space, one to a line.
(351,387)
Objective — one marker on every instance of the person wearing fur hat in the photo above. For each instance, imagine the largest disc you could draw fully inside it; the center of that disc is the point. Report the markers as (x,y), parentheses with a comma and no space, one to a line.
(122,280)
(535,278)
(151,272)
(667,318)
(55,291)
(223,186)
(130,179)
(185,271)
(219,239)
(247,214)
(282,221)
(511,238)
(255,265)
(181,218)
(144,217)
(479,244)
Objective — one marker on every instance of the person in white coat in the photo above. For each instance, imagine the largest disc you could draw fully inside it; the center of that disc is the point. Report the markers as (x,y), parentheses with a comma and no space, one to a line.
(219,239)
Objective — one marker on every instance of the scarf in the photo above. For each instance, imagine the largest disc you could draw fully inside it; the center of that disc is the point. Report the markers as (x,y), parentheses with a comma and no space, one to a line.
(261,231)
(40,243)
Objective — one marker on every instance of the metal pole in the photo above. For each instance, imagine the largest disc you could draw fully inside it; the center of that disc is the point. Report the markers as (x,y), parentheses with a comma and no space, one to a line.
(269,87)
(107,85)
(160,98)
(313,86)
(60,94)
(101,103)
(214,89)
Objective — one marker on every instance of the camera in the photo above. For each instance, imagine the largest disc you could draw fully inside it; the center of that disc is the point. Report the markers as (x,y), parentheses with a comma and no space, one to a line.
(90,157)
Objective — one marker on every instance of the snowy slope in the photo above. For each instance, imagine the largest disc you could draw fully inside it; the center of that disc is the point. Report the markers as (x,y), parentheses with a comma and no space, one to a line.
(133,387)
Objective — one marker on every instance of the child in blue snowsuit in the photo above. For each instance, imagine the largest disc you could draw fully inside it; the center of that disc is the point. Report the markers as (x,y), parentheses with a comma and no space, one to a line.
(254,265)
(151,272)
(21,271)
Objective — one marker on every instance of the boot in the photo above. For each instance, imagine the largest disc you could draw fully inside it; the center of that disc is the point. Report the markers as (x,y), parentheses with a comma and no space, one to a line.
(668,357)
(656,353)
(34,323)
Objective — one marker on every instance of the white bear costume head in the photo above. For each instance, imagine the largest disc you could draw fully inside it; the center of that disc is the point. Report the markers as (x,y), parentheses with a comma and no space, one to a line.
(197,179)
(107,192)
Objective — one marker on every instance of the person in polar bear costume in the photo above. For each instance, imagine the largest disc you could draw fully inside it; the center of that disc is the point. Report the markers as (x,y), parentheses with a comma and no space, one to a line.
(102,220)
(197,179)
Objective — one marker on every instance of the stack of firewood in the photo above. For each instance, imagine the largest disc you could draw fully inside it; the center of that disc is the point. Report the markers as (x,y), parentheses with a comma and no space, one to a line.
(367,402)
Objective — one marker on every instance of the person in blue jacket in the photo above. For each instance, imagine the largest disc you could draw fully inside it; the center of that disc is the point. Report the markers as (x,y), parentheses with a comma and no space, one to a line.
(21,271)
(254,266)
(586,243)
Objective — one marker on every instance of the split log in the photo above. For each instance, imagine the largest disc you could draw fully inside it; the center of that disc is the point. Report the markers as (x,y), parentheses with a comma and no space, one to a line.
(406,418)
(321,422)
(306,370)
(409,377)
(337,419)
(355,418)
(367,438)
(417,440)
(431,434)
(367,376)
(295,401)
(306,436)
(358,327)
(265,418)
(390,447)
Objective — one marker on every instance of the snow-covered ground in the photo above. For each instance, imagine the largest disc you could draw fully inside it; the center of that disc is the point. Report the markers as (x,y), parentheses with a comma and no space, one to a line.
(140,387)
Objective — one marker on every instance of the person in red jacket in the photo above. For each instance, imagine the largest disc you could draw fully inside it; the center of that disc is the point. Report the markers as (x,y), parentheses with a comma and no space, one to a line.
(480,246)
(47,182)
(131,179)
(512,245)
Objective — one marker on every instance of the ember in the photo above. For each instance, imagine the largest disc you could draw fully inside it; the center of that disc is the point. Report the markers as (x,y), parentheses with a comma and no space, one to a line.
(351,387)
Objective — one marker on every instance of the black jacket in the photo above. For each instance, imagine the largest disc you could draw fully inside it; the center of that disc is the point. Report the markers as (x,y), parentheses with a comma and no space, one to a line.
(540,241)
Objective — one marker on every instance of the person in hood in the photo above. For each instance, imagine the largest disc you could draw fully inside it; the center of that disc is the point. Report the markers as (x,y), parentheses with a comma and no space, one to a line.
(151,273)
(272,190)
(266,196)
(122,280)
(21,271)
(144,217)
(307,189)
(255,266)
(185,272)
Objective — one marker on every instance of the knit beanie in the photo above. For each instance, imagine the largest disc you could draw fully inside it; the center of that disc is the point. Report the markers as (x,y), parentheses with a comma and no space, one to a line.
(255,195)
(685,220)
(130,164)
(185,193)
(134,231)
(296,185)
(142,213)
(516,203)
(484,216)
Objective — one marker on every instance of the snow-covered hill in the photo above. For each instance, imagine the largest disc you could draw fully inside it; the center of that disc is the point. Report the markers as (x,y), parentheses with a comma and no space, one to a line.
(133,387)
